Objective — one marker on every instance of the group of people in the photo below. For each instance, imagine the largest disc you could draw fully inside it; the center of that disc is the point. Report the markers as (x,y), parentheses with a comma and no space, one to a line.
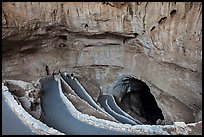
(66,74)
(69,75)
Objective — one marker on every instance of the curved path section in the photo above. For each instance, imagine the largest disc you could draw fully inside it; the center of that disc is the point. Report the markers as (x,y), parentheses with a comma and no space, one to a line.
(59,116)
(126,118)
(16,120)
(123,119)
(80,91)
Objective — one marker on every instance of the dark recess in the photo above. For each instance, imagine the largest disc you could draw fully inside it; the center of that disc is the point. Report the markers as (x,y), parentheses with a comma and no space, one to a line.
(136,34)
(143,101)
(129,8)
(30,50)
(152,28)
(63,37)
(47,70)
(162,20)
(173,12)
(86,25)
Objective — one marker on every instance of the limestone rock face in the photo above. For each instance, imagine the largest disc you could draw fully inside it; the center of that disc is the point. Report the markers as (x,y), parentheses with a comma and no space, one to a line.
(158,42)
(170,32)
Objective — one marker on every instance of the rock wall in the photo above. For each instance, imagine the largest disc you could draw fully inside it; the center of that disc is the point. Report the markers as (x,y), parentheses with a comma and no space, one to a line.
(170,32)
(158,42)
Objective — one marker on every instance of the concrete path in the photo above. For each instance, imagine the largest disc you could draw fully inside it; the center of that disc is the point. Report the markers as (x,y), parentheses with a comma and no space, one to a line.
(111,106)
(11,123)
(80,91)
(57,114)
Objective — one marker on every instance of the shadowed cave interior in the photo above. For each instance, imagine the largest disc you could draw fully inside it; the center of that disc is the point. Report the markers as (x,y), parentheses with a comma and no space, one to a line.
(139,102)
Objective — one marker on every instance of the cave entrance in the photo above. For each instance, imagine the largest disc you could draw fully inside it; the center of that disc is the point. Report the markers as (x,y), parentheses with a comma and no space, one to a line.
(139,102)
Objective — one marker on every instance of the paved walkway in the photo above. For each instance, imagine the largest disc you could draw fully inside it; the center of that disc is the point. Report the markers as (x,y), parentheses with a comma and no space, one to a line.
(58,116)
(11,123)
(109,104)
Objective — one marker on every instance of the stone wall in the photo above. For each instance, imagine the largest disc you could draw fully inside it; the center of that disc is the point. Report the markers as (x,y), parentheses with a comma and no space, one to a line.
(170,32)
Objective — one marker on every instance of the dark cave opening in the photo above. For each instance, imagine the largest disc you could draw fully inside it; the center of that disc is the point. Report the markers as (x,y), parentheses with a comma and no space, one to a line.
(173,12)
(139,100)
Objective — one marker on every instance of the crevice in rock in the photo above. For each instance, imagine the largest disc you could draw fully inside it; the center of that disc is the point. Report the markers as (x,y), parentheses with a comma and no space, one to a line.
(63,18)
(77,10)
(115,4)
(152,28)
(162,20)
(136,34)
(145,15)
(47,70)
(129,9)
(104,35)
